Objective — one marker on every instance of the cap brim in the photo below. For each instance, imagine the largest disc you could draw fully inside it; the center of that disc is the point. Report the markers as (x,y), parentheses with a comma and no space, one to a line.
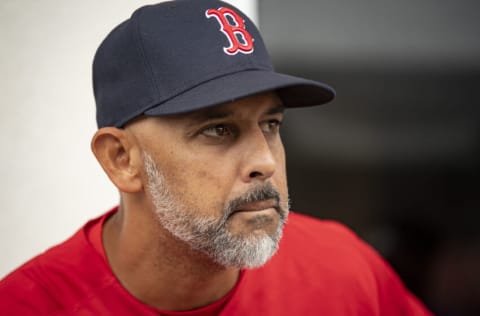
(293,91)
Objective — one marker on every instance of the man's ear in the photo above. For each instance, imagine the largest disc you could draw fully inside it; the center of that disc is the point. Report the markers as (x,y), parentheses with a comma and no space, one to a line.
(116,152)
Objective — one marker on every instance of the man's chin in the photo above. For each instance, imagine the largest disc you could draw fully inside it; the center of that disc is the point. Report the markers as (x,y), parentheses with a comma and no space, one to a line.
(248,249)
(246,223)
(252,255)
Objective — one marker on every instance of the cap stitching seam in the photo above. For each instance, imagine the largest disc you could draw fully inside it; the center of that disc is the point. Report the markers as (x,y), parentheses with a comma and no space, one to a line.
(141,50)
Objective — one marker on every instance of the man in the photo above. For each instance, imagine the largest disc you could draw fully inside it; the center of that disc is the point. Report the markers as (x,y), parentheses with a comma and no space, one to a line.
(189,110)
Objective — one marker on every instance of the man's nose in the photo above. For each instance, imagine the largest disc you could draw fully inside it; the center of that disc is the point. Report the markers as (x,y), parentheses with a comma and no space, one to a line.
(259,162)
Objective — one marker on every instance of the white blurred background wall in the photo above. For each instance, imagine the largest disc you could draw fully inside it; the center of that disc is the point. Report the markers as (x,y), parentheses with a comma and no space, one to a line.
(51,183)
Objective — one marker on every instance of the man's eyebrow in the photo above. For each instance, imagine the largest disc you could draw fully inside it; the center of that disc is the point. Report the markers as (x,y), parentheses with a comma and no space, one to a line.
(277,109)
(211,114)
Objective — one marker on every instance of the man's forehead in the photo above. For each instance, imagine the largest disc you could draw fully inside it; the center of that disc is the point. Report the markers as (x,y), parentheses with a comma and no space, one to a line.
(263,104)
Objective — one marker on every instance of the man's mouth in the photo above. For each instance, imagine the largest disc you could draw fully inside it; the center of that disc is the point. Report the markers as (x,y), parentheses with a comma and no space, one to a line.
(258,206)
(261,199)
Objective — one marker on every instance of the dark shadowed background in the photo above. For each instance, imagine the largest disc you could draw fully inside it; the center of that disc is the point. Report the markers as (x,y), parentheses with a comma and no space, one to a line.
(396,155)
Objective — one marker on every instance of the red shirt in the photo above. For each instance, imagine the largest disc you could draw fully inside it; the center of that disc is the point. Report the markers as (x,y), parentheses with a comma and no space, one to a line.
(321,268)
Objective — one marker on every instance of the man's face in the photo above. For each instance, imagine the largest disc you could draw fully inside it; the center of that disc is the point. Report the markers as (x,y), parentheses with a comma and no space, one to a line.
(217,179)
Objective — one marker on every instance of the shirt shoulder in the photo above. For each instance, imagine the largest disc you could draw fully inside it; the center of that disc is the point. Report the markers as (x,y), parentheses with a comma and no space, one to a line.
(359,261)
(55,280)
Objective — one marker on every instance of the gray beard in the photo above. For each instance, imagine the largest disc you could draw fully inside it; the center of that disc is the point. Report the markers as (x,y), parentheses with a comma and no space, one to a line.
(210,235)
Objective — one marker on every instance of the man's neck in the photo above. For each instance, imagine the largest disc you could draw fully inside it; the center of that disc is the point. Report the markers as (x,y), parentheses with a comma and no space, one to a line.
(160,270)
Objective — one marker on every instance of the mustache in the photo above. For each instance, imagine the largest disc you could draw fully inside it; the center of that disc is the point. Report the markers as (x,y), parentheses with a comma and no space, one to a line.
(258,193)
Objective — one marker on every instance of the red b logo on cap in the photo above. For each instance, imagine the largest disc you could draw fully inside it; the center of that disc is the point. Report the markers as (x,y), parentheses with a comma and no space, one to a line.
(240,40)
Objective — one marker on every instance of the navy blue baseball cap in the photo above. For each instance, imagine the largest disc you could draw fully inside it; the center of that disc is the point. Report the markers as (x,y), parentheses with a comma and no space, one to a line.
(180,56)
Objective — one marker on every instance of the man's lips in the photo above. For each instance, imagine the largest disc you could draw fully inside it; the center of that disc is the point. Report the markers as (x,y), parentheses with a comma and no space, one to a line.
(257,206)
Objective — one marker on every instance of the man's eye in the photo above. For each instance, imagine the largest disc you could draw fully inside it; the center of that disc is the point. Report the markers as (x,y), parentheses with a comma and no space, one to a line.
(219,130)
(271,126)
